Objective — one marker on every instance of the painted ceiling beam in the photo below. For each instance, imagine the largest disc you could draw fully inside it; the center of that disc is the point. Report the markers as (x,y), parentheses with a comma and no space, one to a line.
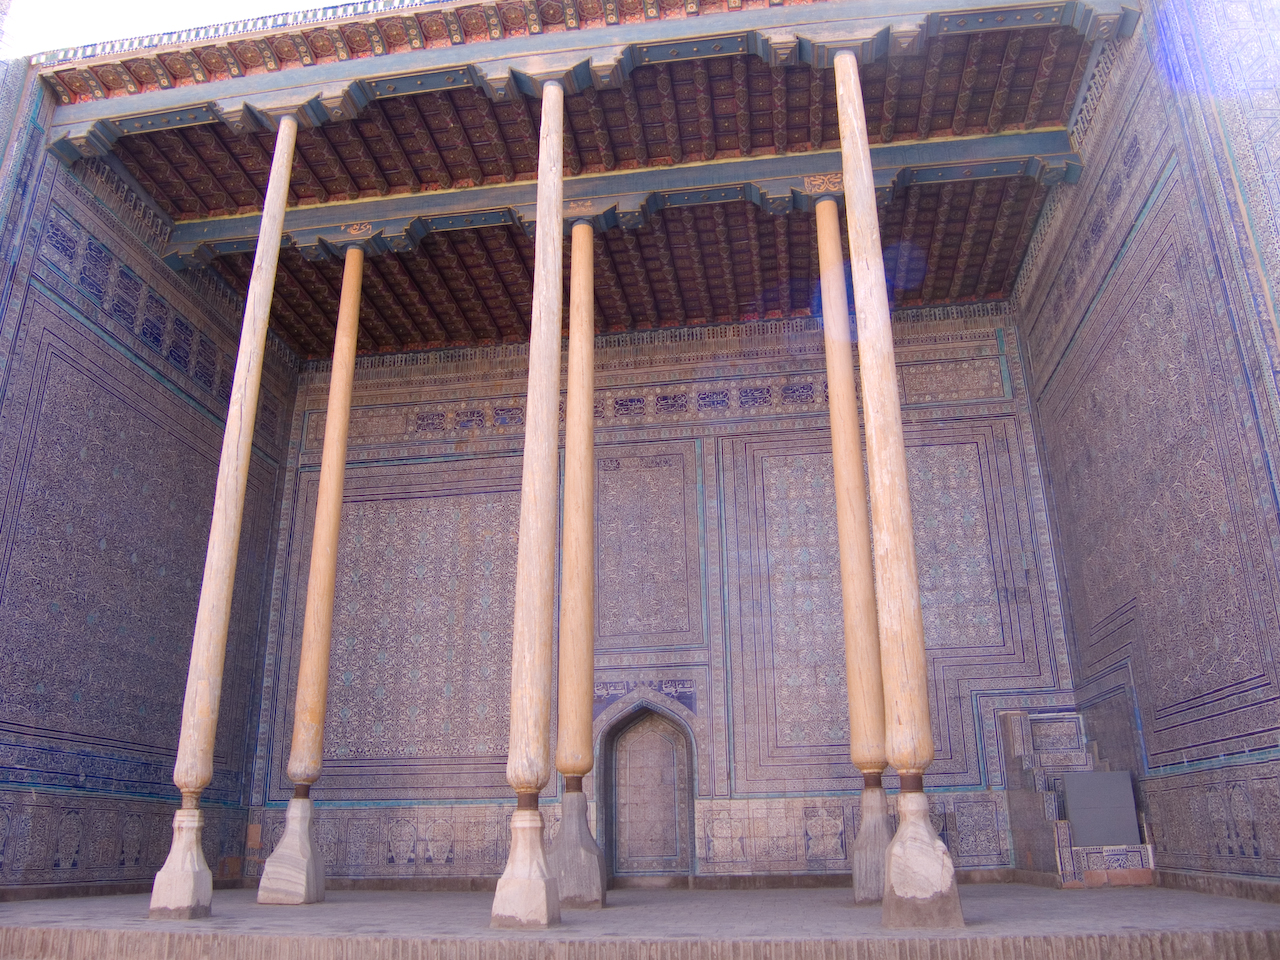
(777,184)
(601,58)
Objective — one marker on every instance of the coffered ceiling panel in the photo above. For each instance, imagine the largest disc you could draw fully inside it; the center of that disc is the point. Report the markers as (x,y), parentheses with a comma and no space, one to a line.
(686,266)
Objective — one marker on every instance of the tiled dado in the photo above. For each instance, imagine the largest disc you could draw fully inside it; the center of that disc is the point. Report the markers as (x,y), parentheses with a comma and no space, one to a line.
(814,834)
(731,837)
(62,839)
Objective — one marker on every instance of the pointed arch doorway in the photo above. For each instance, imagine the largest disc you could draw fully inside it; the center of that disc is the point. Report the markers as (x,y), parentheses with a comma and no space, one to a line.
(648,800)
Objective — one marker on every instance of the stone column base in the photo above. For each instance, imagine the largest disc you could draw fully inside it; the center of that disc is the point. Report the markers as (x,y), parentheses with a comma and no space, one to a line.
(576,861)
(870,846)
(294,873)
(920,881)
(527,896)
(183,888)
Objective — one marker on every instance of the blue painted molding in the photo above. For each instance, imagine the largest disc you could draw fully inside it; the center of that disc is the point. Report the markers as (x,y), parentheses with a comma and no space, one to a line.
(627,198)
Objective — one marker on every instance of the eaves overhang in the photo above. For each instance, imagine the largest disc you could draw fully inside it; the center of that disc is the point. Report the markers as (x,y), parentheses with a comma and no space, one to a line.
(602,58)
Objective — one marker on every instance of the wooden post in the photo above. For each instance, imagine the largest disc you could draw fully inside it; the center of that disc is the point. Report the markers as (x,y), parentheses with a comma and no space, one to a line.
(857,585)
(527,895)
(920,889)
(294,873)
(576,860)
(184,886)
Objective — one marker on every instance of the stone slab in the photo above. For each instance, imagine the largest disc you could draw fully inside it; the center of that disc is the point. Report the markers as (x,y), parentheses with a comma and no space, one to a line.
(1003,920)
(1101,809)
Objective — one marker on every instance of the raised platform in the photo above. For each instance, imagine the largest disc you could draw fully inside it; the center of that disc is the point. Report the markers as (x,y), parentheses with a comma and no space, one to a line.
(1005,921)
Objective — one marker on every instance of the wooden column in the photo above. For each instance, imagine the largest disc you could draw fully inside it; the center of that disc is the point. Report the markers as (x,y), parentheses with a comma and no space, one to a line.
(527,895)
(184,887)
(857,585)
(294,873)
(920,885)
(576,860)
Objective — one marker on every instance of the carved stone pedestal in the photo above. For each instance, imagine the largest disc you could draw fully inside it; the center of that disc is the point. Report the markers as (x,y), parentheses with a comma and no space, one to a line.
(920,881)
(294,873)
(577,862)
(183,888)
(527,895)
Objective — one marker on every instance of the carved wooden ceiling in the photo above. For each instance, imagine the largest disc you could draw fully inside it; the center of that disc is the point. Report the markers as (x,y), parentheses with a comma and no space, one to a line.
(691,265)
(673,113)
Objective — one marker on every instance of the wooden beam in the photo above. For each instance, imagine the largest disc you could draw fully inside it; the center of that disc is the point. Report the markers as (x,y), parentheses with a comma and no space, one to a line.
(511,267)
(968,77)
(322,160)
(484,106)
(1048,58)
(609,292)
(906,245)
(406,120)
(889,103)
(661,246)
(450,131)
(489,285)
(455,274)
(942,217)
(929,88)
(424,273)
(173,187)
(353,153)
(702,103)
(1024,238)
(1004,218)
(1000,96)
(972,220)
(782,247)
(667,108)
(779,114)
(635,127)
(751,211)
(725,250)
(693,244)
(417,307)
(382,294)
(742,105)
(600,129)
(222,165)
(647,306)
(817,111)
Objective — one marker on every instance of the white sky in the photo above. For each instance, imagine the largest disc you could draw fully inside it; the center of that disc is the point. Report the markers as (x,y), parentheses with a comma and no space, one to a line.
(34,26)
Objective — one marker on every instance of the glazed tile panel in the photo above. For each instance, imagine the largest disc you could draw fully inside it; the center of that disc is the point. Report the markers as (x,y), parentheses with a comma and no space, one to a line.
(718,608)
(115,378)
(1153,345)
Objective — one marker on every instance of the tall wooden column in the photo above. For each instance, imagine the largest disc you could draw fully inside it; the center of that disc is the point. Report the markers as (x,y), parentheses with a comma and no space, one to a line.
(527,895)
(857,585)
(576,860)
(184,886)
(920,889)
(294,873)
